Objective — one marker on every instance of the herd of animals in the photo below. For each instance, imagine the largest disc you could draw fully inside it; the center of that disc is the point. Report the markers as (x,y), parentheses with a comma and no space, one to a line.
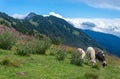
(92,54)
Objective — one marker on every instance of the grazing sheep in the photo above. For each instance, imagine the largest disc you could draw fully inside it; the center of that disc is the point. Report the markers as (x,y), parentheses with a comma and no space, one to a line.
(91,54)
(82,52)
(100,56)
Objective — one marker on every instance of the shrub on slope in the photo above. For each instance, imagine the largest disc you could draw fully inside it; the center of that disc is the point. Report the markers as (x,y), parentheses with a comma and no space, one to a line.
(7,40)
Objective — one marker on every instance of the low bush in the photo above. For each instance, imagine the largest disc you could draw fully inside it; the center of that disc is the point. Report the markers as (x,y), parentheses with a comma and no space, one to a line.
(52,50)
(7,40)
(8,62)
(69,50)
(42,45)
(24,48)
(35,46)
(57,41)
(61,54)
(76,58)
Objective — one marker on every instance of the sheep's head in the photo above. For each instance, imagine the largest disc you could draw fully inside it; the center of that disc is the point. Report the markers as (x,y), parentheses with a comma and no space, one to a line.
(104,64)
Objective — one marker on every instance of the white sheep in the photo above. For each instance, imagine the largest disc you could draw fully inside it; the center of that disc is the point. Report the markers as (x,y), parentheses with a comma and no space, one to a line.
(82,52)
(91,54)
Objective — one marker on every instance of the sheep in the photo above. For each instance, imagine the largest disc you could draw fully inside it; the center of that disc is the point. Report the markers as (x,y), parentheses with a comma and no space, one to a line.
(82,52)
(91,54)
(100,56)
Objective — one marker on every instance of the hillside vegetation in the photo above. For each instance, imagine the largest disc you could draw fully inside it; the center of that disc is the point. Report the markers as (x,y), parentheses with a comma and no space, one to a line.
(47,67)
(37,58)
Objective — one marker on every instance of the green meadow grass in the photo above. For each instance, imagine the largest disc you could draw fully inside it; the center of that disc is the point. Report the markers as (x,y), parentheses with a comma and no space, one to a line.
(47,67)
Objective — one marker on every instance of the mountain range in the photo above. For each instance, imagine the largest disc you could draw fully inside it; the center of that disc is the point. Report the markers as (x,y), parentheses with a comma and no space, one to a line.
(56,27)
(50,26)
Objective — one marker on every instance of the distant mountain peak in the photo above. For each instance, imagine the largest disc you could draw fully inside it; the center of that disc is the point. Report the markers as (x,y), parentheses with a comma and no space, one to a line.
(30,15)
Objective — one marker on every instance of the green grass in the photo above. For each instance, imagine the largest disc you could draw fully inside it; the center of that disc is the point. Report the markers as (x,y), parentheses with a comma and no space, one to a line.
(76,32)
(33,23)
(47,67)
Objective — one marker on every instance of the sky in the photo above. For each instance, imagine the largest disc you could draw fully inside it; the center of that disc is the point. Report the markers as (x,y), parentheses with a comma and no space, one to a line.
(66,8)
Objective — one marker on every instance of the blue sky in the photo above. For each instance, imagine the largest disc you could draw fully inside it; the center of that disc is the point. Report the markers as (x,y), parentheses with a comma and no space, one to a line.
(66,8)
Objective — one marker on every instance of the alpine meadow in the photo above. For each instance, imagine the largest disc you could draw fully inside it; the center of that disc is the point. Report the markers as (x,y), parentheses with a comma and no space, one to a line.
(69,39)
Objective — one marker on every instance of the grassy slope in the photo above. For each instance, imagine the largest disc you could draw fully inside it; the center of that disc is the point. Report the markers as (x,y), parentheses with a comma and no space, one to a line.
(47,67)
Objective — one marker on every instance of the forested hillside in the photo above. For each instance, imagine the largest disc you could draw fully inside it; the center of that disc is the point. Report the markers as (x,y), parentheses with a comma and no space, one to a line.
(51,26)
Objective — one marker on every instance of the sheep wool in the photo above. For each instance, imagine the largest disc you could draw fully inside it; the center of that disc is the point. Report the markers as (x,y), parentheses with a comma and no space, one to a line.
(91,53)
(82,52)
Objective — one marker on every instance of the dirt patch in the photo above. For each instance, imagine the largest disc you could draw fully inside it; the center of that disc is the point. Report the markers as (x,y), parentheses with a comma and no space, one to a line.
(21,73)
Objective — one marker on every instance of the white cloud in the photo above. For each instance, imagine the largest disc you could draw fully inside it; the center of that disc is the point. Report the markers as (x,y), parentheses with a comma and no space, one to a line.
(54,14)
(111,26)
(110,4)
(19,16)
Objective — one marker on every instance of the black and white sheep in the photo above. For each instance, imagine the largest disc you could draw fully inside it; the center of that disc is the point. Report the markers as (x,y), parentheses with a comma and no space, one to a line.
(100,56)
